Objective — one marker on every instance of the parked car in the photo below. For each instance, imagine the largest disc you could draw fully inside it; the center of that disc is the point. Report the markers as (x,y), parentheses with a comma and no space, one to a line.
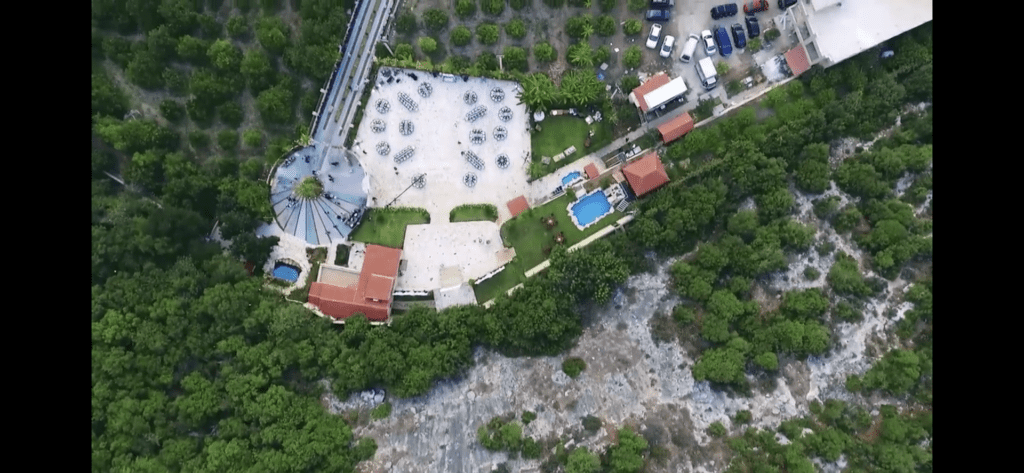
(753,29)
(784,4)
(664,3)
(652,39)
(709,42)
(738,36)
(724,45)
(658,15)
(689,48)
(723,11)
(666,47)
(756,6)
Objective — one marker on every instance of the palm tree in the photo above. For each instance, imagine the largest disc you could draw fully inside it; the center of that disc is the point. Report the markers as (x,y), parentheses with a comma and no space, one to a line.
(537,92)
(580,55)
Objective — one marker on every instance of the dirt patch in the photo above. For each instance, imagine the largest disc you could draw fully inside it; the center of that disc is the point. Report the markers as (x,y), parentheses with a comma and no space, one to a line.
(798,377)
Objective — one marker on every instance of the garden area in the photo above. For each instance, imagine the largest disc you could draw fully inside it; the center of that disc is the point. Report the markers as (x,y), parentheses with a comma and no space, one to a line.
(386,227)
(533,234)
(474,213)
(316,256)
(559,133)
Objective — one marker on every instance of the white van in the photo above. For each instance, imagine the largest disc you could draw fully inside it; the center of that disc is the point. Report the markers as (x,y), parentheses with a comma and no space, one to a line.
(707,73)
(689,48)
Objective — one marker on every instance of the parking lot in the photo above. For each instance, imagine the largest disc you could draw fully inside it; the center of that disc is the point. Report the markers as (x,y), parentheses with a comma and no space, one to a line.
(694,16)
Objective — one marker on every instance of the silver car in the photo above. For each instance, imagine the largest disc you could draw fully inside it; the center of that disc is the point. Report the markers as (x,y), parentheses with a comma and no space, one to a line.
(666,47)
(709,42)
(652,39)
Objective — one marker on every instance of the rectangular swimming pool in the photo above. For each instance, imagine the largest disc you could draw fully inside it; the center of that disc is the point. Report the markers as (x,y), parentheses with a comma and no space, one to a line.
(590,208)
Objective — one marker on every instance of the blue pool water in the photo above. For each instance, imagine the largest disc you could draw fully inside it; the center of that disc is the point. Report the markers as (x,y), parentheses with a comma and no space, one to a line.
(570,177)
(591,208)
(286,271)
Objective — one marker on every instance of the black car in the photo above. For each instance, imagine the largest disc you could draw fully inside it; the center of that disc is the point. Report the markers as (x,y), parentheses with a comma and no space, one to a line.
(784,4)
(722,11)
(738,36)
(663,3)
(753,29)
(658,15)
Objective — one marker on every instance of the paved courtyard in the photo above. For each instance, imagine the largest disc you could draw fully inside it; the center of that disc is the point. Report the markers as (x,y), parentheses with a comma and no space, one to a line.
(444,255)
(439,135)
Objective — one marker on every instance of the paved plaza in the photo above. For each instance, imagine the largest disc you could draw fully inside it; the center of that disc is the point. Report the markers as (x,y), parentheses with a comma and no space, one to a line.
(418,123)
(443,255)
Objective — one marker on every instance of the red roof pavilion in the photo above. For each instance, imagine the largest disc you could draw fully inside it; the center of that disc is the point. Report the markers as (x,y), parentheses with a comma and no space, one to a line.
(645,174)
(797,60)
(676,127)
(371,295)
(591,171)
(517,206)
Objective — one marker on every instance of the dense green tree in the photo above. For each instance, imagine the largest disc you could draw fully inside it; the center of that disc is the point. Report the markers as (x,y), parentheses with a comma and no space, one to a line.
(845,278)
(631,82)
(406,23)
(579,27)
(580,54)
(134,136)
(581,87)
(492,7)
(514,58)
(848,219)
(538,93)
(435,19)
(461,35)
(257,70)
(722,365)
(145,70)
(277,104)
(515,28)
(532,320)
(487,33)
(487,61)
(172,110)
(897,372)
(107,98)
(272,33)
(465,8)
(631,58)
(804,304)
(627,455)
(224,56)
(582,460)
(774,204)
(632,27)
(544,52)
(404,51)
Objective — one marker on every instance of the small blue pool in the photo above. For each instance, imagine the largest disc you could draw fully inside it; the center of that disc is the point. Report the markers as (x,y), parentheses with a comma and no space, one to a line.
(591,208)
(286,271)
(570,177)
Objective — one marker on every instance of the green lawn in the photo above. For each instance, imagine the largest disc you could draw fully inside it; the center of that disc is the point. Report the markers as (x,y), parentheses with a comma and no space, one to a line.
(386,227)
(531,238)
(474,213)
(561,132)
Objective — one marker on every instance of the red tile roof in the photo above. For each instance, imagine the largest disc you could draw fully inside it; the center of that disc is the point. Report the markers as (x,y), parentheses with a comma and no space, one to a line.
(591,171)
(797,60)
(676,127)
(645,174)
(371,295)
(517,206)
(658,80)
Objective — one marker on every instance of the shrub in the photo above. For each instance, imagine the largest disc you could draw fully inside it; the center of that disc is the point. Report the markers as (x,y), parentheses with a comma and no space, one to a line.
(608,5)
(579,27)
(231,113)
(341,256)
(767,360)
(406,23)
(637,6)
(734,87)
(199,139)
(435,19)
(771,34)
(716,429)
(460,35)
(493,7)
(602,54)
(381,412)
(544,52)
(403,51)
(847,312)
(631,59)
(811,273)
(683,314)
(629,83)
(528,417)
(743,417)
(252,138)
(515,28)
(604,25)
(172,110)
(531,448)
(632,27)
(227,140)
(519,4)
(573,366)
(465,8)
(514,58)
(591,423)
(487,33)
(722,67)
(427,44)
(754,45)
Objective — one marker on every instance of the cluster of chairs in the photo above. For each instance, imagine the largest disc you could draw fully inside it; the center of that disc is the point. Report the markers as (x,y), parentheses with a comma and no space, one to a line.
(469,179)
(407,102)
(497,95)
(425,90)
(383,148)
(477,136)
(474,160)
(420,181)
(476,113)
(505,114)
(288,161)
(382,106)
(502,161)
(500,133)
(377,125)
(404,155)
(405,128)
(469,97)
